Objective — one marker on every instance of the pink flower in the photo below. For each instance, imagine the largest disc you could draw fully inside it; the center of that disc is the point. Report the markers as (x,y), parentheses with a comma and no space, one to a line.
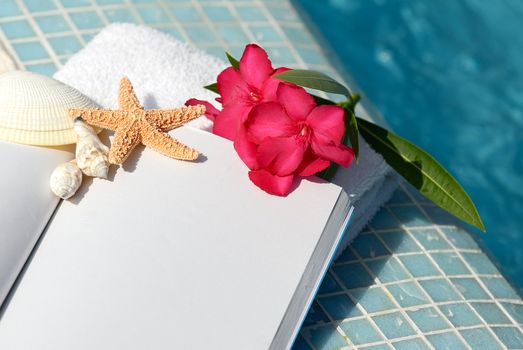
(289,138)
(242,89)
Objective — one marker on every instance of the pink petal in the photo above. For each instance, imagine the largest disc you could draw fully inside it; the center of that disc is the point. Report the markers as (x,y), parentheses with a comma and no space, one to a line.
(269,120)
(340,154)
(296,101)
(281,155)
(272,184)
(246,149)
(211,112)
(255,66)
(229,120)
(312,164)
(328,121)
(271,85)
(232,87)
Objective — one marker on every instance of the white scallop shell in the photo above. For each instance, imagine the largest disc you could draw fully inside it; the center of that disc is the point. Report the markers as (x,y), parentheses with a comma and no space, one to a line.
(33,109)
(91,153)
(66,179)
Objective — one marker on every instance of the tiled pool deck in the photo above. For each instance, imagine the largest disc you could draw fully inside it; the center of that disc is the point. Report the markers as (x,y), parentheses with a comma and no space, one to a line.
(412,280)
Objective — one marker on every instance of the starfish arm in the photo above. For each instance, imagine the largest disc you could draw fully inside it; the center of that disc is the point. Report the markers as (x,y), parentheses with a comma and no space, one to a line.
(126,138)
(172,118)
(166,145)
(126,97)
(99,117)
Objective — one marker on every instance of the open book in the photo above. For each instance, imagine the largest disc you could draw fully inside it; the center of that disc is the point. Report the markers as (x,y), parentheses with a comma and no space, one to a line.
(165,255)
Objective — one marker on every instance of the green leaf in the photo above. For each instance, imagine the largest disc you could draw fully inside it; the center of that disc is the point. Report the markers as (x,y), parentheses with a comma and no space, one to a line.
(421,170)
(351,129)
(233,61)
(314,80)
(212,87)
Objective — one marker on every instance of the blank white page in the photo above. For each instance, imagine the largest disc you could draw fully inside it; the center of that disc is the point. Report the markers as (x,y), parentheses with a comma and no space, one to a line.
(169,255)
(26,203)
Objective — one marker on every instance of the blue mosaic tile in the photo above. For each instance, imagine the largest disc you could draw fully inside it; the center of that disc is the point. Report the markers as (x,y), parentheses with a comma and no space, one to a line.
(384,220)
(264,33)
(86,20)
(311,56)
(439,290)
(218,13)
(377,347)
(326,337)
(411,344)
(515,310)
(360,331)
(440,216)
(430,239)
(428,319)
(353,275)
(460,315)
(75,3)
(459,238)
(399,197)
(399,242)
(17,29)
(369,246)
(153,15)
(109,2)
(387,269)
(249,14)
(281,54)
(281,15)
(45,68)
(339,307)
(346,256)
(480,339)
(186,14)
(480,264)
(450,263)
(470,288)
(39,5)
(200,34)
(410,216)
(30,51)
(510,336)
(301,344)
(491,313)
(500,288)
(233,34)
(119,15)
(52,24)
(9,8)
(373,300)
(446,341)
(176,33)
(419,265)
(408,294)
(65,45)
(315,315)
(296,35)
(393,325)
(329,285)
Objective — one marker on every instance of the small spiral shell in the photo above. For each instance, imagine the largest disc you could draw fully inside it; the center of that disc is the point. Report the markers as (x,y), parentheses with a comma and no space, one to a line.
(66,179)
(91,153)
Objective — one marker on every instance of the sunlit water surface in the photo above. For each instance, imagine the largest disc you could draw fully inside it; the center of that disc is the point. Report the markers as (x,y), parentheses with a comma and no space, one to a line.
(447,75)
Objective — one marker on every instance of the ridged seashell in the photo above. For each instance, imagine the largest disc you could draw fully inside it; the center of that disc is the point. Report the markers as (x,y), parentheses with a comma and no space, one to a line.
(6,63)
(66,179)
(91,153)
(33,109)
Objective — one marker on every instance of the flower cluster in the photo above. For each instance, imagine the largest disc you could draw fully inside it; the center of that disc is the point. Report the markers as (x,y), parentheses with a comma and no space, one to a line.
(278,130)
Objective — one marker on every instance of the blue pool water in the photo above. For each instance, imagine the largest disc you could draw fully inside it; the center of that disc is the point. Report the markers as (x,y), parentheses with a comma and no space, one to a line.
(448,75)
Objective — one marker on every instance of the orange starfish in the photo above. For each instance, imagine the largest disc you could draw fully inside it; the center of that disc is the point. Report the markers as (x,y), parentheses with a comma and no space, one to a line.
(133,125)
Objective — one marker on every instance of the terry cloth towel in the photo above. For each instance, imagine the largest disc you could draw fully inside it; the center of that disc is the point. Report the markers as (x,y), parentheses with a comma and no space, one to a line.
(167,72)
